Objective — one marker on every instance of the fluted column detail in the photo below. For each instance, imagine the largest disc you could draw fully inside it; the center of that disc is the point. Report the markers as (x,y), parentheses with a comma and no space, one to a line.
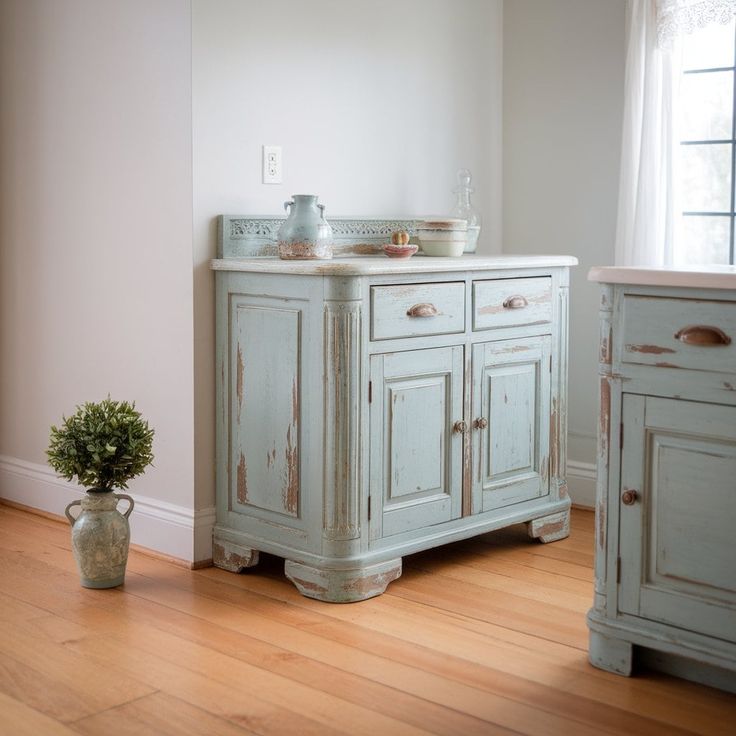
(342,467)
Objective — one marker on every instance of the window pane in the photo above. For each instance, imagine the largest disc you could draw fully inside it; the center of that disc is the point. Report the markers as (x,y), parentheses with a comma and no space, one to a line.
(709,47)
(707,102)
(706,178)
(702,240)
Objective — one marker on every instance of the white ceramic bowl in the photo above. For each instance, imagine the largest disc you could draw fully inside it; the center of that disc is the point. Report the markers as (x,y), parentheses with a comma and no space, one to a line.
(443,236)
(442,247)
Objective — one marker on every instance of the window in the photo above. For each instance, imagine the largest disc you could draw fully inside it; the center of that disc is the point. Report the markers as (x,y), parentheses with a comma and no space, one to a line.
(707,163)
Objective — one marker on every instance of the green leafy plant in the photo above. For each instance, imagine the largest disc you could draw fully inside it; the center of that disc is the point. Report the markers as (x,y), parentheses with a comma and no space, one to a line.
(103,444)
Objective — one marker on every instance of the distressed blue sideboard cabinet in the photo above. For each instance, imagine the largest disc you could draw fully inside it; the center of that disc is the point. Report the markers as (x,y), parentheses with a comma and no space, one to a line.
(369,408)
(665,559)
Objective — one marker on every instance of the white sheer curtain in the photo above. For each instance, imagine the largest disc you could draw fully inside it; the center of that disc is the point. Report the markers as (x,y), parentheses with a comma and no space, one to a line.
(649,157)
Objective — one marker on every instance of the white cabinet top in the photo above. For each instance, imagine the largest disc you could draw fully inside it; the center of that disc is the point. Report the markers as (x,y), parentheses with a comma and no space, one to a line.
(698,277)
(372,265)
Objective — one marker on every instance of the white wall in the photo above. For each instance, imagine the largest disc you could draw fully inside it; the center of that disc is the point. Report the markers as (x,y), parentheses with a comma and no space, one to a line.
(562,113)
(106,106)
(376,105)
(95,234)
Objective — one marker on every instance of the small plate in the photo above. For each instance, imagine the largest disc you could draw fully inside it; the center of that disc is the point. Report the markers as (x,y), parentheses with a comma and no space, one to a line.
(400,251)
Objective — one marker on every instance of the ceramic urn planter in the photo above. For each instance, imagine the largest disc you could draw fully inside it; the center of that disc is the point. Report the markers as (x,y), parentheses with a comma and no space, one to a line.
(305,234)
(100,538)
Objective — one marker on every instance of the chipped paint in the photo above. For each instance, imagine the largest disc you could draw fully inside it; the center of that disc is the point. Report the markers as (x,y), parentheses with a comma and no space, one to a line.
(605,413)
(342,586)
(649,349)
(728,386)
(467,487)
(239,381)
(666,365)
(371,585)
(309,585)
(554,527)
(271,457)
(290,493)
(514,349)
(553,427)
(223,393)
(242,481)
(600,514)
(294,403)
(550,528)
(544,298)
(605,353)
(233,558)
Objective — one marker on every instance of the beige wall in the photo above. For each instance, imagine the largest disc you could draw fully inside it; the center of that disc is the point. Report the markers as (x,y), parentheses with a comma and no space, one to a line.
(376,105)
(95,223)
(562,113)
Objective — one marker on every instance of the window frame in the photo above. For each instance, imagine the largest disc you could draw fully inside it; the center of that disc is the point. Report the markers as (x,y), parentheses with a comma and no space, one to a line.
(731,215)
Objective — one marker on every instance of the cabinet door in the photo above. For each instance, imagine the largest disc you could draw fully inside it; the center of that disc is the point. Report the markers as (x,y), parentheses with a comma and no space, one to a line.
(510,422)
(415,454)
(266,409)
(677,541)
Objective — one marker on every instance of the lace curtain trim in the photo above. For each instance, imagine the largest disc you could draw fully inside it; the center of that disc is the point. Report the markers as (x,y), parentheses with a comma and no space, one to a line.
(676,17)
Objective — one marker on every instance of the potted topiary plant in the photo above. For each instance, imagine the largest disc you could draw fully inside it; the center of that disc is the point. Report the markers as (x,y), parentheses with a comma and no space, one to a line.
(103,445)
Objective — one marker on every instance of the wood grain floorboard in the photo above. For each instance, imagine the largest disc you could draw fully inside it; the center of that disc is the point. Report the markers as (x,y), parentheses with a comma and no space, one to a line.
(485,636)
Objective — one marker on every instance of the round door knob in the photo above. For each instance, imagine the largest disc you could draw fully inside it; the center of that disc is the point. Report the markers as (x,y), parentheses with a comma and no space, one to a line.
(629,497)
(481,423)
(460,427)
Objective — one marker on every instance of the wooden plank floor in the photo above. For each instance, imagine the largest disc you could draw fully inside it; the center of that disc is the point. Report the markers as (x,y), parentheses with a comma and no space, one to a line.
(486,636)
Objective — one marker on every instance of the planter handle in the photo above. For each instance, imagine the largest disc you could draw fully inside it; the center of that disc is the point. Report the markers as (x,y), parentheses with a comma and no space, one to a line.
(68,515)
(130,501)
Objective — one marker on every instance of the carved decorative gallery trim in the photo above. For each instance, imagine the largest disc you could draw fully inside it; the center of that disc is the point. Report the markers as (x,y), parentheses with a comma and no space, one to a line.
(241,236)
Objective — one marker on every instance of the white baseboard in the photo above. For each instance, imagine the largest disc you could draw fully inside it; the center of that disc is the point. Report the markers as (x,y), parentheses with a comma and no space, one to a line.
(175,530)
(164,527)
(581,479)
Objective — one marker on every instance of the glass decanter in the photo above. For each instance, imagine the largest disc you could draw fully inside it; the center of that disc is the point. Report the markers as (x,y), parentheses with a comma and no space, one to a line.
(464,208)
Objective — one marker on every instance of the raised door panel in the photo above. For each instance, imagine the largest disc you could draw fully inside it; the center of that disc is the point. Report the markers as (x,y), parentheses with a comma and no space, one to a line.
(511,397)
(677,547)
(265,426)
(416,457)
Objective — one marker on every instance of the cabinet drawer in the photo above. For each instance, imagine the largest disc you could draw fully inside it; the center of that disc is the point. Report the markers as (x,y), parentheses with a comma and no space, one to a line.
(512,302)
(679,333)
(409,310)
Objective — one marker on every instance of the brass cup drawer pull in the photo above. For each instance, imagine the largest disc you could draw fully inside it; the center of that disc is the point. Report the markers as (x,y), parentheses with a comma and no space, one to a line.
(515,302)
(460,427)
(422,310)
(629,497)
(481,423)
(702,336)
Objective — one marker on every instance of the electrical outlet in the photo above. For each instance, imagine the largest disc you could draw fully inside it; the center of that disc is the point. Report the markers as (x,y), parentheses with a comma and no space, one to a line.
(272,173)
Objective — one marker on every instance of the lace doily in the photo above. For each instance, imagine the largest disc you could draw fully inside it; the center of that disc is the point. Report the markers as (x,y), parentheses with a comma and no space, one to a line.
(675,17)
